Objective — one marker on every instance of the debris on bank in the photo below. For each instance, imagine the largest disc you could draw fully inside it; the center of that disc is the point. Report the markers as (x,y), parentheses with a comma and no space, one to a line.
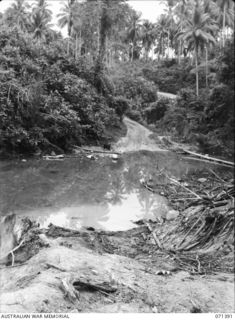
(201,240)
(154,267)
(90,153)
(185,151)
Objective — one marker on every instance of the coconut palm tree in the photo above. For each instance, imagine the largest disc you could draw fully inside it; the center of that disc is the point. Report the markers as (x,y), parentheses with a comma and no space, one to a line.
(66,19)
(148,36)
(162,34)
(17,14)
(225,16)
(40,25)
(40,19)
(181,12)
(42,6)
(78,14)
(134,31)
(170,23)
(198,31)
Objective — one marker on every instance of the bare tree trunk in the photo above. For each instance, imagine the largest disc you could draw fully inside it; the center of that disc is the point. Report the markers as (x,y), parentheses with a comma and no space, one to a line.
(80,43)
(99,65)
(68,45)
(98,30)
(98,39)
(206,66)
(146,55)
(168,45)
(179,53)
(196,64)
(76,46)
(180,48)
(224,27)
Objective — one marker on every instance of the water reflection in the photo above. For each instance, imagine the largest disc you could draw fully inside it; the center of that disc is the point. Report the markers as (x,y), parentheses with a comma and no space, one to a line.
(110,216)
(81,192)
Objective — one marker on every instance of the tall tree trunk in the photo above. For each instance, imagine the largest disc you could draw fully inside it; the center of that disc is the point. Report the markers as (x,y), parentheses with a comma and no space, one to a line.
(132,51)
(68,45)
(103,36)
(98,30)
(206,66)
(104,26)
(196,64)
(80,42)
(146,54)
(224,26)
(168,45)
(180,48)
(98,39)
(161,47)
(180,52)
(76,46)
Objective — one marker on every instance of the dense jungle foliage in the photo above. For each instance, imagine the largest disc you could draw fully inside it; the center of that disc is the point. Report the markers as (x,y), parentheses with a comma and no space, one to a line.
(48,101)
(58,91)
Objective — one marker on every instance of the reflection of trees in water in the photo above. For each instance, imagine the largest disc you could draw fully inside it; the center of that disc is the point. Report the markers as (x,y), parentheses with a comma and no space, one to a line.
(117,192)
(152,205)
(84,185)
(77,181)
(147,201)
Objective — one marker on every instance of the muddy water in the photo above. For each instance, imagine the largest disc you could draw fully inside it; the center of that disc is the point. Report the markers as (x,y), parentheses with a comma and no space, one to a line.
(100,193)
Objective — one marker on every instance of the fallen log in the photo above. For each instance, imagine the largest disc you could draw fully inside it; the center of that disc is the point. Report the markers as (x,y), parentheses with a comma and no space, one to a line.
(208,158)
(94,285)
(157,241)
(207,161)
(97,151)
(70,293)
(182,186)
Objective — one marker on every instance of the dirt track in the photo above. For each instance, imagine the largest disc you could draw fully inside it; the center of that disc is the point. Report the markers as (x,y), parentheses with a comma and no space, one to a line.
(137,139)
(166,95)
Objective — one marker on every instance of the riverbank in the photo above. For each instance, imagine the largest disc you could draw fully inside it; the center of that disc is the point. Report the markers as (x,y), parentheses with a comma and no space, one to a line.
(149,231)
(59,269)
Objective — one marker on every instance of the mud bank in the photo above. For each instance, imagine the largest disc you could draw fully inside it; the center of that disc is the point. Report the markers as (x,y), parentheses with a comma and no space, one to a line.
(64,270)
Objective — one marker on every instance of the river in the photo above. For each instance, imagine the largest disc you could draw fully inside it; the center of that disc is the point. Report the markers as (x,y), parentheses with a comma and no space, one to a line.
(101,193)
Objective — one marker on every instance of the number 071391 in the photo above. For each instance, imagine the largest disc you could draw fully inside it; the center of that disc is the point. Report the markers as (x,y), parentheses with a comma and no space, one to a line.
(223,316)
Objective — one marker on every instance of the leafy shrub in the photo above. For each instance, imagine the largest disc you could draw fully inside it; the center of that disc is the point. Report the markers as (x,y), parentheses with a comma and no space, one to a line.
(172,79)
(48,101)
(156,110)
(187,98)
(220,111)
(137,89)
(225,65)
(207,120)
(120,105)
(134,115)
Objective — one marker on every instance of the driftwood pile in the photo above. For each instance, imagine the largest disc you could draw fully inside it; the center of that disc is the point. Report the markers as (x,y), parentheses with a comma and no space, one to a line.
(201,240)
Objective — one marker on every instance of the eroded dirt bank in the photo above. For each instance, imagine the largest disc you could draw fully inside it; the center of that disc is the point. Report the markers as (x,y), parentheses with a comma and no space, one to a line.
(89,271)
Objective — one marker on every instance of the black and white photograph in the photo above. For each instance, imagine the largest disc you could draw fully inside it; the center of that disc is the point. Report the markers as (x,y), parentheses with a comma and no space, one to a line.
(117,159)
